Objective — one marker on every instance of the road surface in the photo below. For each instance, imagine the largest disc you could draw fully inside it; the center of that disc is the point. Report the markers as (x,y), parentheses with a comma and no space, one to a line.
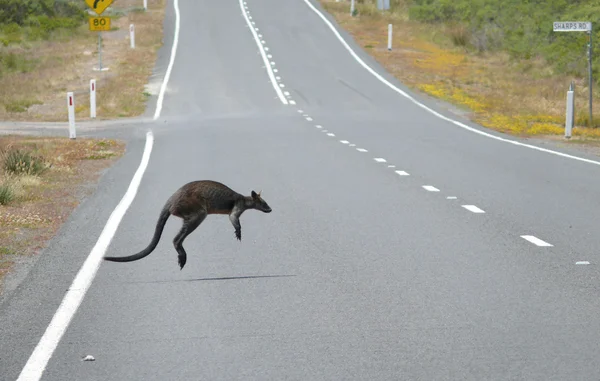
(400,246)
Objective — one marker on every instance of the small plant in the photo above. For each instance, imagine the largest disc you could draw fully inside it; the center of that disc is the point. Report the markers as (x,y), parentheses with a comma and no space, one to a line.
(6,194)
(22,162)
(459,35)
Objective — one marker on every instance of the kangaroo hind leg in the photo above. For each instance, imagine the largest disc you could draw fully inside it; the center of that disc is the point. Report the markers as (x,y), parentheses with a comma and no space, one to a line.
(190,223)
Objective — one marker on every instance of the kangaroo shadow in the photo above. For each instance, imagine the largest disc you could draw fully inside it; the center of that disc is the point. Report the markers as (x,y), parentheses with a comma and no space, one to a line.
(215,279)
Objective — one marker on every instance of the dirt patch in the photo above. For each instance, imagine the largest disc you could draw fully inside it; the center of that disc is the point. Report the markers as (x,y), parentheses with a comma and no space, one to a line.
(41,182)
(68,64)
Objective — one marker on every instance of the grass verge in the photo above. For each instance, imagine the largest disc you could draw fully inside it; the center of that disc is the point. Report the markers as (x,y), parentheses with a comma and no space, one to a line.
(43,71)
(521,97)
(41,182)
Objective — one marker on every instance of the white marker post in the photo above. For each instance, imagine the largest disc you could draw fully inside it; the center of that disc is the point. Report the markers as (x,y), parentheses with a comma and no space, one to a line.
(351,7)
(145,5)
(71,108)
(92,98)
(389,37)
(569,117)
(132,35)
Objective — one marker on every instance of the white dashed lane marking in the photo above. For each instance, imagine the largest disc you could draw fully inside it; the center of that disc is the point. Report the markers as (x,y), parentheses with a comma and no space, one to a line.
(473,208)
(582,263)
(536,241)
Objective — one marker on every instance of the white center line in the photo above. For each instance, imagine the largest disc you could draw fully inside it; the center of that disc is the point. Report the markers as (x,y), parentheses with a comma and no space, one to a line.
(582,263)
(292,102)
(535,240)
(361,150)
(430,188)
(319,126)
(451,197)
(309,119)
(473,208)
(344,141)
(380,160)
(402,173)
(330,134)
(391,166)
(264,56)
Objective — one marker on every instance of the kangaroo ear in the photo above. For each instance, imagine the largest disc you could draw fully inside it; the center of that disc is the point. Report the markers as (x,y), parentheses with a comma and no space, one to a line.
(254,194)
(259,192)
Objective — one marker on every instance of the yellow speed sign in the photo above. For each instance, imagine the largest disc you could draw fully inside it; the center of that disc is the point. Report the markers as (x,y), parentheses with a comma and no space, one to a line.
(99,24)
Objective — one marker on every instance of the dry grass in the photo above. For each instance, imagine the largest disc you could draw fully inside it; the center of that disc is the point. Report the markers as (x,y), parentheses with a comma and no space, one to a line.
(42,202)
(523,98)
(67,65)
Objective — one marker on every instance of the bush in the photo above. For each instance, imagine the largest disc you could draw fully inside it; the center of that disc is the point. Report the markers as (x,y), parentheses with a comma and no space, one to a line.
(521,28)
(20,11)
(22,162)
(6,194)
(37,19)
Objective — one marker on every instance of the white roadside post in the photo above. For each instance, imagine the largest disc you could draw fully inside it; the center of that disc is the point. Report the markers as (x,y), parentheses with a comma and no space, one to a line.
(351,7)
(390,37)
(132,35)
(71,108)
(92,98)
(145,5)
(569,117)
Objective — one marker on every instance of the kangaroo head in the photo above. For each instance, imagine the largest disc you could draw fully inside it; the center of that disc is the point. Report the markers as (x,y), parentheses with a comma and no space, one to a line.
(259,203)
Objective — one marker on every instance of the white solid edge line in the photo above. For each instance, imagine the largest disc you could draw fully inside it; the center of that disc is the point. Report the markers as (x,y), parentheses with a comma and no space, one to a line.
(472,208)
(264,56)
(383,80)
(535,240)
(163,87)
(35,366)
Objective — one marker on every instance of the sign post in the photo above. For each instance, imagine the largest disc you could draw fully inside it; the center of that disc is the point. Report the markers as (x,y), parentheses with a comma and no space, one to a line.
(99,24)
(580,26)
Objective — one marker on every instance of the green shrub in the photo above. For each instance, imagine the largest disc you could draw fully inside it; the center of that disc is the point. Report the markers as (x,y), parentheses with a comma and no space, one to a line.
(6,194)
(23,162)
(37,19)
(524,29)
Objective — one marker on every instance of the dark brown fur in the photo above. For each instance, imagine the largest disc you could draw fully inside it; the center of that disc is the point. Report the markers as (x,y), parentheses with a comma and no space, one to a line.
(192,203)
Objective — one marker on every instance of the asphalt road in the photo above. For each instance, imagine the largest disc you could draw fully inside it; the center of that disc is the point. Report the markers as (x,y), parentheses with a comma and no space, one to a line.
(359,273)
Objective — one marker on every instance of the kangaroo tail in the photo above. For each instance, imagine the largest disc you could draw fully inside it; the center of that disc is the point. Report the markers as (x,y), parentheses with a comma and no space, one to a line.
(162,220)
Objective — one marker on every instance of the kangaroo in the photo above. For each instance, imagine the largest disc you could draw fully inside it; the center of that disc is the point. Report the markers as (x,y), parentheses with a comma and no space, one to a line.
(192,203)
